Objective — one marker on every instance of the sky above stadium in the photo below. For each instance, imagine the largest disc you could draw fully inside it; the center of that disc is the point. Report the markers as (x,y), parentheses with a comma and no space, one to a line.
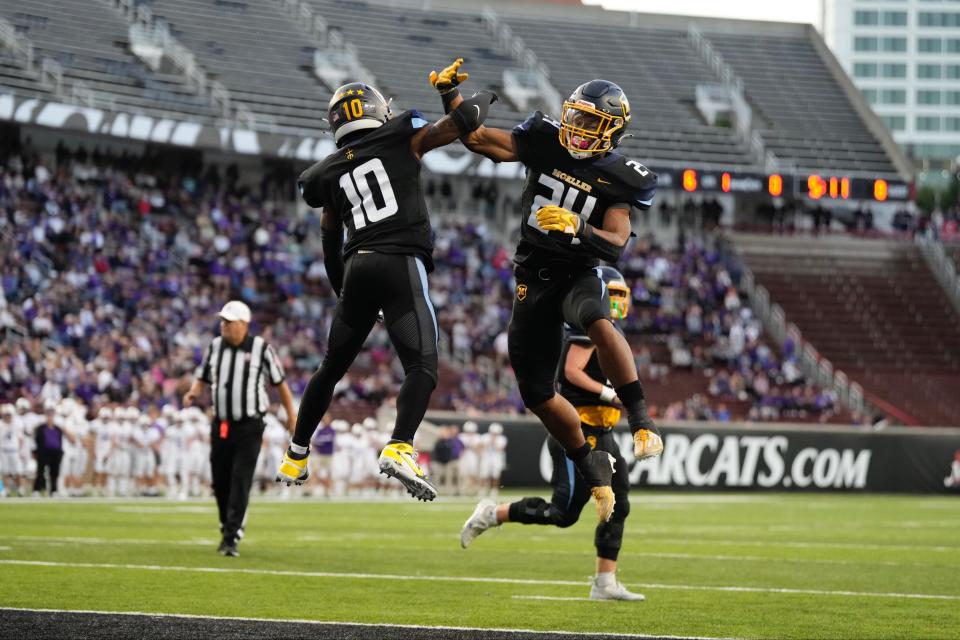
(796,11)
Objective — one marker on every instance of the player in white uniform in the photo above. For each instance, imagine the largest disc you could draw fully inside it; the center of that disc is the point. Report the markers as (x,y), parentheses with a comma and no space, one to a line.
(144,439)
(28,421)
(76,456)
(953,480)
(493,458)
(360,460)
(171,452)
(275,439)
(121,456)
(102,429)
(11,466)
(343,447)
(470,459)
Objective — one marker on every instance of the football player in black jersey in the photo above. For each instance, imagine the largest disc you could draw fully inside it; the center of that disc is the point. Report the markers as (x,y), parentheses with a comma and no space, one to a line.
(371,186)
(582,383)
(575,211)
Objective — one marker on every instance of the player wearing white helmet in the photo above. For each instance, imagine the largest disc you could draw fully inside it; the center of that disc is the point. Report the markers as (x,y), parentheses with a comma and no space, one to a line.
(343,447)
(103,429)
(275,438)
(470,459)
(11,466)
(145,439)
(172,452)
(322,443)
(76,451)
(493,458)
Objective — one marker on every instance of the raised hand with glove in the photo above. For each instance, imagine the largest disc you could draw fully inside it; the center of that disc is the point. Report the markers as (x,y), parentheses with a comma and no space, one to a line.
(450,78)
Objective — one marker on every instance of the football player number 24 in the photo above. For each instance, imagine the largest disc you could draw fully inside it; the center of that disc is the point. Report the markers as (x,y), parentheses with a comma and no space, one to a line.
(356,184)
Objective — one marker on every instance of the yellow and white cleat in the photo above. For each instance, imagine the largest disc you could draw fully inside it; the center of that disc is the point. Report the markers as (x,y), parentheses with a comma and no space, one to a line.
(293,471)
(647,444)
(399,460)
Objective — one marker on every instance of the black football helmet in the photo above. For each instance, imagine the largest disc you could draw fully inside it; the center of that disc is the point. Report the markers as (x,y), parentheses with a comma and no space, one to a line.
(594,119)
(356,106)
(618,290)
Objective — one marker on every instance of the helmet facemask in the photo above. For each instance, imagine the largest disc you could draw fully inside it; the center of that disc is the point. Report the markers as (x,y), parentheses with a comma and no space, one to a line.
(586,131)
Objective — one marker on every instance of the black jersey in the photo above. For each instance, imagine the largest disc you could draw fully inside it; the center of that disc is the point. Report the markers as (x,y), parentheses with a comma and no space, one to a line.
(588,187)
(373,186)
(578,396)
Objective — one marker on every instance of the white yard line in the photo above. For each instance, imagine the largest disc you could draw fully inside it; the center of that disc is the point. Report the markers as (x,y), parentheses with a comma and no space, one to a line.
(59,541)
(372,625)
(474,579)
(557,598)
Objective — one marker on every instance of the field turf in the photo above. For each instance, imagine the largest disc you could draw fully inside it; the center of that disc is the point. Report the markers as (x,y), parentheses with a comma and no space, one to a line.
(712,565)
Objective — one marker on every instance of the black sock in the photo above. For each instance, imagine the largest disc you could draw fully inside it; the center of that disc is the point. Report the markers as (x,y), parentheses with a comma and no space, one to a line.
(631,396)
(579,453)
(316,398)
(296,456)
(412,403)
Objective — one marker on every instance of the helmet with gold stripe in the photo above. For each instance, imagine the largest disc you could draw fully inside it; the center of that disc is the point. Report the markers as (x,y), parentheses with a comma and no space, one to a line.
(594,119)
(618,290)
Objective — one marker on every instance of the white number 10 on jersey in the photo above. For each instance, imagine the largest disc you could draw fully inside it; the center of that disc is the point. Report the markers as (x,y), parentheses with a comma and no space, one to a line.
(357,188)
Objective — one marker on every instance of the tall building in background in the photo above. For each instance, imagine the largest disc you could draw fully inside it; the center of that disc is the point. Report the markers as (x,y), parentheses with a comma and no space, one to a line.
(904,55)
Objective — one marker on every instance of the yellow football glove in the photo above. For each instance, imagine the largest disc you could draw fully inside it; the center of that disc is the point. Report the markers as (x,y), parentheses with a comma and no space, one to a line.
(554,218)
(448,79)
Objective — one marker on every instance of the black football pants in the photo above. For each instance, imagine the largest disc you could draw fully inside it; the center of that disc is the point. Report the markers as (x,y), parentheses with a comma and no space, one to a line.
(397,285)
(47,463)
(571,493)
(234,448)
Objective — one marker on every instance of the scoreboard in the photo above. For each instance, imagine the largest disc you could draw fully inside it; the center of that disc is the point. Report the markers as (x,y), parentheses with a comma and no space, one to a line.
(802,185)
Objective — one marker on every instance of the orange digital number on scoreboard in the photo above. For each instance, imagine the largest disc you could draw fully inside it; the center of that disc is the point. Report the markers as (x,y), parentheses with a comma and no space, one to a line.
(880,190)
(689,180)
(775,185)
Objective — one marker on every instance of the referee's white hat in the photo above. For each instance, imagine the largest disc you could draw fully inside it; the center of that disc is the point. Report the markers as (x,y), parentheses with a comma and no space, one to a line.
(235,310)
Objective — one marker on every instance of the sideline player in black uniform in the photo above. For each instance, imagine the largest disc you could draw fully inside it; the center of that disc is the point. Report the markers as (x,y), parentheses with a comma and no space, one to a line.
(371,186)
(583,384)
(575,211)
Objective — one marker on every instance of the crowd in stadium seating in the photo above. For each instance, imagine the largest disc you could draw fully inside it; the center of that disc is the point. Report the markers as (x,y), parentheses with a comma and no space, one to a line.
(113,268)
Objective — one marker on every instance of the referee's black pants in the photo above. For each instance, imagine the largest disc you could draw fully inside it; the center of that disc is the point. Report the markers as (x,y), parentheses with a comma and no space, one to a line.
(234,448)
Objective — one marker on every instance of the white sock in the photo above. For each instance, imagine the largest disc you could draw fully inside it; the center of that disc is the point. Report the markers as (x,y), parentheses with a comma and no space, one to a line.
(606,579)
(299,450)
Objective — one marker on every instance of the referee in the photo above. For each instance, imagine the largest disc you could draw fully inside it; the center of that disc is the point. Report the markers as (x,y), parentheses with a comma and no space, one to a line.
(237,365)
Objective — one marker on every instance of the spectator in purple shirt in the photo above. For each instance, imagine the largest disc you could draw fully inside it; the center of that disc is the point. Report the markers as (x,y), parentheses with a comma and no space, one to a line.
(321,444)
(49,452)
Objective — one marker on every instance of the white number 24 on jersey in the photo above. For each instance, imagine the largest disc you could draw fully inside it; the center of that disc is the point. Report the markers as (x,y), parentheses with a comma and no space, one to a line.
(357,188)
(561,195)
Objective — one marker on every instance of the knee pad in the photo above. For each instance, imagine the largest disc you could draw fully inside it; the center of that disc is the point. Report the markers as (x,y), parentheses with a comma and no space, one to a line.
(536,511)
(608,538)
(621,509)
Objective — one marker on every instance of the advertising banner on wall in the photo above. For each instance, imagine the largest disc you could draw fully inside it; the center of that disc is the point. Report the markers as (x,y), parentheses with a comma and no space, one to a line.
(763,458)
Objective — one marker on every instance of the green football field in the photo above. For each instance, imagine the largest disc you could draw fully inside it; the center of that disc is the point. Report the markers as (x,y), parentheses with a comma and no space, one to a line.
(715,565)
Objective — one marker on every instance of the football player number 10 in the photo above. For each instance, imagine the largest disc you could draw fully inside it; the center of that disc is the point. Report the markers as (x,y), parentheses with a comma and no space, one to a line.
(356,185)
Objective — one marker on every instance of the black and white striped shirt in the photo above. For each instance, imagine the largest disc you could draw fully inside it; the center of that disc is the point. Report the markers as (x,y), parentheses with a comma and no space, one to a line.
(237,377)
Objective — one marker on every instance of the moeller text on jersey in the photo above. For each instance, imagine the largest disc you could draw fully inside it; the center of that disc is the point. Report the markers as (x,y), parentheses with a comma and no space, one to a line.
(579,184)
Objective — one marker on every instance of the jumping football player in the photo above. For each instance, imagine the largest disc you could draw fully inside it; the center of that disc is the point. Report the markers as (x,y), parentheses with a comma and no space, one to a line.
(371,185)
(581,382)
(575,212)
